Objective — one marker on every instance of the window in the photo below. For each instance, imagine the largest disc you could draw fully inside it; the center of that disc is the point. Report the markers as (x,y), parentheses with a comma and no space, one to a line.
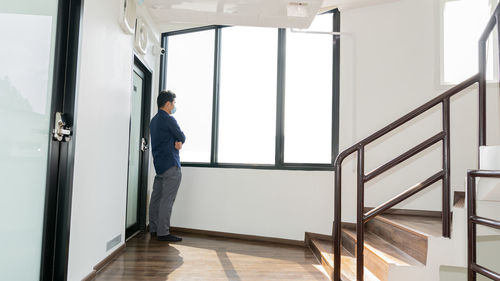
(253,97)
(190,66)
(247,118)
(308,96)
(460,39)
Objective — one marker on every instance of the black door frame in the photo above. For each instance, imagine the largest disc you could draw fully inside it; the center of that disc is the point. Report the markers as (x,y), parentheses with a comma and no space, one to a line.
(147,76)
(59,181)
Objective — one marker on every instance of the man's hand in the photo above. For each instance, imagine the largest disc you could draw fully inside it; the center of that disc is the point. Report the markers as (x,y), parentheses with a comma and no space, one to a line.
(178,145)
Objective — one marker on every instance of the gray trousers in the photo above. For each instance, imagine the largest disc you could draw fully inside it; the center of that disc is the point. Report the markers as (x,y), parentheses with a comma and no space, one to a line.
(165,189)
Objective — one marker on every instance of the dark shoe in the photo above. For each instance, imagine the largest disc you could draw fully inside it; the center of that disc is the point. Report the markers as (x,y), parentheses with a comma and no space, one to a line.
(169,238)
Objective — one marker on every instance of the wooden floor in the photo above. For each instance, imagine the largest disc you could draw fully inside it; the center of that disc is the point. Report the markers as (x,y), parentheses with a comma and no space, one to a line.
(207,258)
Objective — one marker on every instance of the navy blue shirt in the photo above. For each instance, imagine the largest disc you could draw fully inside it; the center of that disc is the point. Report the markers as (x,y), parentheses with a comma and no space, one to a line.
(164,133)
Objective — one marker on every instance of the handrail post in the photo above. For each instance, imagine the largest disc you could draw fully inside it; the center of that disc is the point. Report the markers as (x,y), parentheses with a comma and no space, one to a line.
(498,38)
(337,223)
(446,214)
(482,93)
(360,223)
(471,227)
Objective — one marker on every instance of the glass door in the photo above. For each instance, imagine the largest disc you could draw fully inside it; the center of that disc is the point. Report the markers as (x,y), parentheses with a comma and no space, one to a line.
(33,61)
(138,150)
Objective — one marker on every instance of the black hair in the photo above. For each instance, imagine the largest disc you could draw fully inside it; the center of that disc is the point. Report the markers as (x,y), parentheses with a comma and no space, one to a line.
(164,97)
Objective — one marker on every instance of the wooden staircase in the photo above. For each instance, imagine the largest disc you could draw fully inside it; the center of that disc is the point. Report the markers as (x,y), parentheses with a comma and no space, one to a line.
(391,241)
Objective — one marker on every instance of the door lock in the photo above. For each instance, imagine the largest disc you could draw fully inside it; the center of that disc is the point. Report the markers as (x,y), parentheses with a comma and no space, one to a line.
(144,145)
(62,128)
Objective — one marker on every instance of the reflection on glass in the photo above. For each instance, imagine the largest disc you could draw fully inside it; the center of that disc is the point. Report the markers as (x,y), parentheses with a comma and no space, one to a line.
(247,126)
(27,30)
(308,94)
(134,150)
(190,71)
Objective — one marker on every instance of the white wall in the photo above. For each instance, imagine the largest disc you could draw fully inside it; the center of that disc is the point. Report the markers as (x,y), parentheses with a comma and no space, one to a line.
(101,135)
(389,66)
(271,203)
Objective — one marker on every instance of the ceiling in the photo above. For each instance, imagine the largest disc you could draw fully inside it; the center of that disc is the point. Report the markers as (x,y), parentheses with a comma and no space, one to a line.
(267,13)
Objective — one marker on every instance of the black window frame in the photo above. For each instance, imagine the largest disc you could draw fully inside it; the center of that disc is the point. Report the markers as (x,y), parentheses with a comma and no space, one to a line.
(280,164)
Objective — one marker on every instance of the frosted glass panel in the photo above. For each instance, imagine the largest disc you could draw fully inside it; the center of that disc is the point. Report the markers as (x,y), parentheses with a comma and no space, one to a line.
(190,72)
(27,32)
(308,94)
(247,118)
(134,150)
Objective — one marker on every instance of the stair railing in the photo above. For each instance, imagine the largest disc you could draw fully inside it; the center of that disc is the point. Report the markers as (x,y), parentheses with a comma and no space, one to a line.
(362,178)
(472,221)
(443,175)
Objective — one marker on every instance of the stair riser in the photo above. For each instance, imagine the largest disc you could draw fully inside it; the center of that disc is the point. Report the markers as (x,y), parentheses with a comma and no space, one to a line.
(327,267)
(411,243)
(371,261)
(317,253)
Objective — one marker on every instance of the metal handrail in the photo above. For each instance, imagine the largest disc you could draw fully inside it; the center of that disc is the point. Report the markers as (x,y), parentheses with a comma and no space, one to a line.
(472,221)
(443,175)
(359,147)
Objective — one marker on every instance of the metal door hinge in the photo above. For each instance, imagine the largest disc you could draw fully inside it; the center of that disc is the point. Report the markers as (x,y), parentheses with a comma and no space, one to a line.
(62,128)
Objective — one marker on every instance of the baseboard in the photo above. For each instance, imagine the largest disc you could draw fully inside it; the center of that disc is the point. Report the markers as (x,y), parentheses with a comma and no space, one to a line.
(91,276)
(239,236)
(310,235)
(408,212)
(109,258)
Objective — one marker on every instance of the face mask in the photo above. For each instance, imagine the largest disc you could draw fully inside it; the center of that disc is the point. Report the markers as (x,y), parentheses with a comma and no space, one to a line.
(174,110)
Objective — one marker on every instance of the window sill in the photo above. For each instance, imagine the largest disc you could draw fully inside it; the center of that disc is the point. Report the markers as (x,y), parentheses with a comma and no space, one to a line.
(292,167)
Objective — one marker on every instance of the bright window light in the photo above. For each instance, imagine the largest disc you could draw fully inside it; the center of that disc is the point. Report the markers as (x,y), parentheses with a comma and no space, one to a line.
(463,24)
(308,95)
(190,71)
(247,118)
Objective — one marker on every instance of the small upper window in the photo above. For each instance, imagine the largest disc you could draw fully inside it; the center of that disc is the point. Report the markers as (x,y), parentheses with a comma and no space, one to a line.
(463,22)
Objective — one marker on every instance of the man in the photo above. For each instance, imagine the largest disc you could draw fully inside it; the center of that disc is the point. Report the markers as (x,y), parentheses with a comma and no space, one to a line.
(166,141)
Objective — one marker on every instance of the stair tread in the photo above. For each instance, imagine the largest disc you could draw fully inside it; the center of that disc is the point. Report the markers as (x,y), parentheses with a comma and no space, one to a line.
(348,261)
(389,253)
(424,225)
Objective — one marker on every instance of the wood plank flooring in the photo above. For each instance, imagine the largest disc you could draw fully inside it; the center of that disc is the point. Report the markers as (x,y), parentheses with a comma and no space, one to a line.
(431,226)
(200,257)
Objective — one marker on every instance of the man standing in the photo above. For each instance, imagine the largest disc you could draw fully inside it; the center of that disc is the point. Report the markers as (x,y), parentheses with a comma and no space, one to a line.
(166,141)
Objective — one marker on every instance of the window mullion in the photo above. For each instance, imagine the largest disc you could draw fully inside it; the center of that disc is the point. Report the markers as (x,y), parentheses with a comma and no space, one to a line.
(215,104)
(280,103)
(163,64)
(335,86)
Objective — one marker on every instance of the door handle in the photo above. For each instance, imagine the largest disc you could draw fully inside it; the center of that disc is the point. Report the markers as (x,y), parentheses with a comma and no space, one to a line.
(62,128)
(144,145)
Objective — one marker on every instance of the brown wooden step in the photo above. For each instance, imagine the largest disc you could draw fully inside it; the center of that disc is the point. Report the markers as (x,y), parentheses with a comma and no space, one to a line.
(379,254)
(407,232)
(323,251)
